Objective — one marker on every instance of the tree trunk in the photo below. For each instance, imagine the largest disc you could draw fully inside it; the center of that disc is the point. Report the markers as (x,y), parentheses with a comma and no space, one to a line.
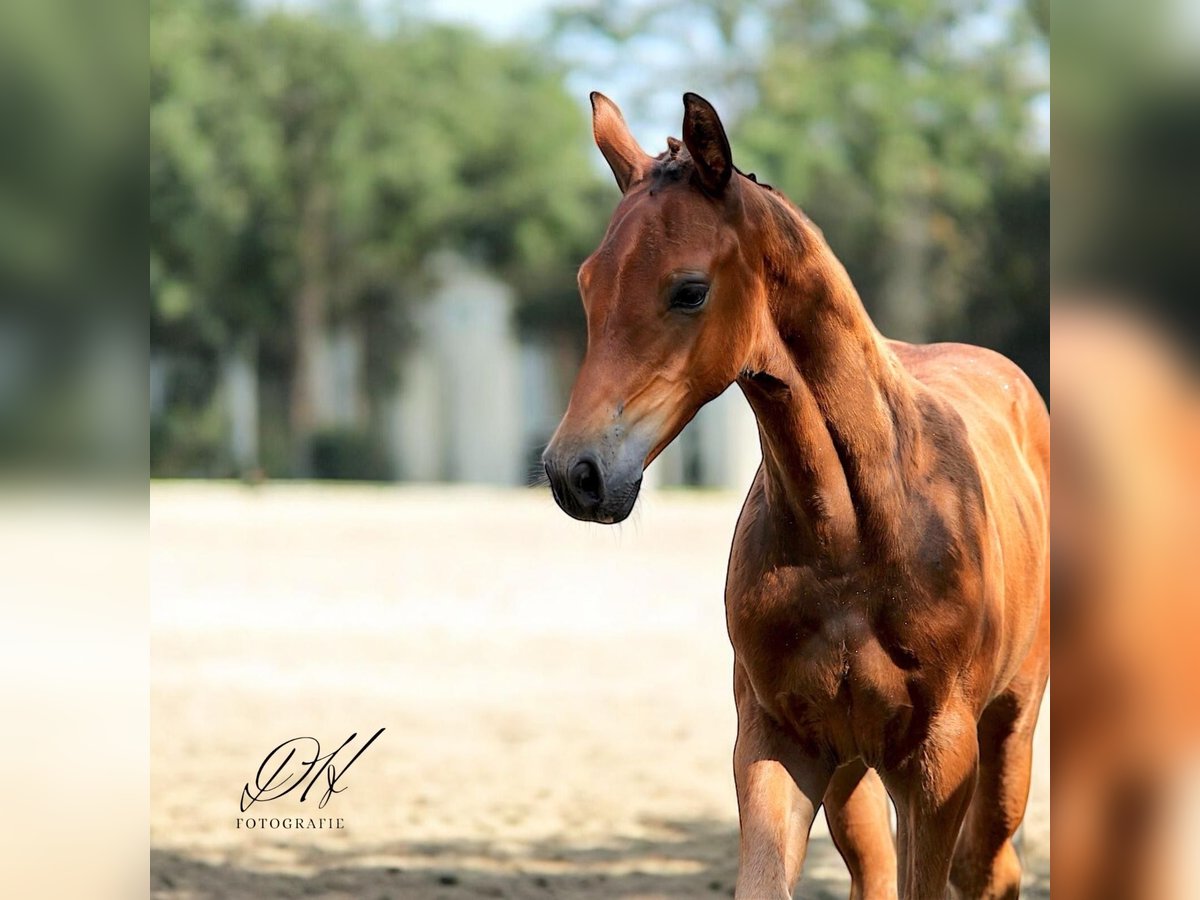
(309,314)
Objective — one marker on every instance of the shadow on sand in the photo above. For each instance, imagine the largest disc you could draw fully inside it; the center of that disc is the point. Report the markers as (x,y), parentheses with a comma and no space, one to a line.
(691,859)
(695,859)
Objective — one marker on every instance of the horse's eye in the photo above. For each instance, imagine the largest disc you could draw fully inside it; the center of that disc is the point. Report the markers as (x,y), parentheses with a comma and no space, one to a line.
(689,295)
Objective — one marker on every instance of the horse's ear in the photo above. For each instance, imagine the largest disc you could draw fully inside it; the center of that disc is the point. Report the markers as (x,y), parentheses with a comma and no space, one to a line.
(704,136)
(626,159)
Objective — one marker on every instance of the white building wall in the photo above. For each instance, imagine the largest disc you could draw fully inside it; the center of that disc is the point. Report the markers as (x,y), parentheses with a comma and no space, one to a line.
(540,404)
(458,416)
(239,378)
(730,452)
(415,422)
(719,448)
(341,399)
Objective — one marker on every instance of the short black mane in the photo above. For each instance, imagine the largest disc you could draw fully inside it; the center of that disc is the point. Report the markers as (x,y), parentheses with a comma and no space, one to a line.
(671,166)
(675,164)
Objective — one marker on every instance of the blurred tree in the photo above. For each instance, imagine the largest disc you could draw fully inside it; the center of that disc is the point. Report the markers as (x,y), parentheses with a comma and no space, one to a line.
(1006,301)
(215,180)
(72,170)
(304,168)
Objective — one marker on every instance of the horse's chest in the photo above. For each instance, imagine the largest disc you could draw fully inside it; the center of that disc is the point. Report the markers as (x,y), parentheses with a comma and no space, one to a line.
(828,659)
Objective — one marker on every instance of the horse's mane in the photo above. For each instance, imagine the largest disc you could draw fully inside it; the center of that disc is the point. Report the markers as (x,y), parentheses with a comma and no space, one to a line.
(675,164)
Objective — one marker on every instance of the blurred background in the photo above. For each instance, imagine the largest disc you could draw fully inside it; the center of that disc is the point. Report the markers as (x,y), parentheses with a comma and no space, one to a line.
(364,221)
(366,218)
(365,224)
(1126,410)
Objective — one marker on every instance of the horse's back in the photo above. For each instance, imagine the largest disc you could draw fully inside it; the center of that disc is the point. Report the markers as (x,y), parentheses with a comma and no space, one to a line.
(1008,428)
(993,395)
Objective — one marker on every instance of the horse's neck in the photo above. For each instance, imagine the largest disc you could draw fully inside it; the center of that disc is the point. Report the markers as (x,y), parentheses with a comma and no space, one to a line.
(835,415)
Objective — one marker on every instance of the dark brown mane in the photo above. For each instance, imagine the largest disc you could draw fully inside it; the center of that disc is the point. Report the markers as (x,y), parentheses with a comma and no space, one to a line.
(672,166)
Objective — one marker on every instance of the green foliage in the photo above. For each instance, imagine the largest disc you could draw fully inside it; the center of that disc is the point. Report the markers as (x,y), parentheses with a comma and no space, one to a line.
(892,126)
(1006,303)
(72,216)
(304,167)
(398,145)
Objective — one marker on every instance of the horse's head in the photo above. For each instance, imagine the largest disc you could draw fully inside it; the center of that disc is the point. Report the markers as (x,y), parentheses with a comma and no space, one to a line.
(674,298)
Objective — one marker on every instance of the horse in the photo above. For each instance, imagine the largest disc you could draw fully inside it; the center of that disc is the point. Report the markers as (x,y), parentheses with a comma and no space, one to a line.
(887,593)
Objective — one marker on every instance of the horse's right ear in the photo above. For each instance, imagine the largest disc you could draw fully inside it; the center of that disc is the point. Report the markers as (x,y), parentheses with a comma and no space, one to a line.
(708,144)
(627,160)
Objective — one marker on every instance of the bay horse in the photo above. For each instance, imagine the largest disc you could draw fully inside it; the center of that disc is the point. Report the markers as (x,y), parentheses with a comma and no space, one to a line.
(887,595)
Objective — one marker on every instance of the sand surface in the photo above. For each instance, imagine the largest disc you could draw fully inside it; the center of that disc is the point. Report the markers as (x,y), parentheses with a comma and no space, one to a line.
(556,697)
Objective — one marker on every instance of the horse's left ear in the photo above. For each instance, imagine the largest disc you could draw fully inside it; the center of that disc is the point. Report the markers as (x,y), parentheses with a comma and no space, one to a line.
(706,141)
(627,160)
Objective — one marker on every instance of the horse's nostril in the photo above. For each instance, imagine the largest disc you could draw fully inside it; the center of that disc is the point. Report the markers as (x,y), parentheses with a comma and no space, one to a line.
(586,483)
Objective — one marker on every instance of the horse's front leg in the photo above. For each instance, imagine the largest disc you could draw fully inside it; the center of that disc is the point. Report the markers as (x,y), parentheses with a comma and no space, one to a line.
(932,792)
(856,807)
(779,790)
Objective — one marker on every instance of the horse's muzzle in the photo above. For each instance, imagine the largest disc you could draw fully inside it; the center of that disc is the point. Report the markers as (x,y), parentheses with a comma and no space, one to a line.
(584,491)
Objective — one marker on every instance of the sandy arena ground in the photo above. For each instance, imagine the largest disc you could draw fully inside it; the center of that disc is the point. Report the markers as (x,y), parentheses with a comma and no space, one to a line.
(556,697)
